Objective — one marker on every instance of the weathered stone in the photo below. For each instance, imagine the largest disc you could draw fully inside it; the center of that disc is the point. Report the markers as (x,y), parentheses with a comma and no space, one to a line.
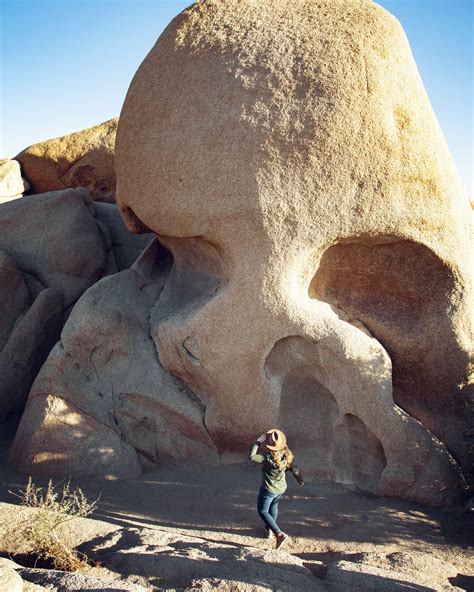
(131,408)
(324,200)
(61,249)
(30,587)
(126,247)
(82,159)
(287,156)
(10,581)
(55,238)
(166,560)
(27,348)
(14,296)
(161,559)
(63,581)
(393,572)
(52,251)
(12,184)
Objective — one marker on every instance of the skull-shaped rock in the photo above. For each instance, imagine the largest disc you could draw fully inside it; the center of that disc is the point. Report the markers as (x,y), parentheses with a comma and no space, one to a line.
(286,154)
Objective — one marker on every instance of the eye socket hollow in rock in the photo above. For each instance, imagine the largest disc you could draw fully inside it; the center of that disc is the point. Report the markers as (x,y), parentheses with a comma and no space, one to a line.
(409,300)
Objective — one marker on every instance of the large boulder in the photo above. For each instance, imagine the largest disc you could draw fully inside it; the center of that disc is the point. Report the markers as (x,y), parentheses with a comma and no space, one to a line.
(12,184)
(52,248)
(287,157)
(14,296)
(28,345)
(82,159)
(54,238)
(111,396)
(296,143)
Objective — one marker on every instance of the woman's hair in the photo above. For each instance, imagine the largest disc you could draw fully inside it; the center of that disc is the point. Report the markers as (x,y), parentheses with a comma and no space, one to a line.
(282,458)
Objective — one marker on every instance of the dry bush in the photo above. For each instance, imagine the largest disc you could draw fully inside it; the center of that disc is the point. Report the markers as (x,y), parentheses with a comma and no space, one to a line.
(52,509)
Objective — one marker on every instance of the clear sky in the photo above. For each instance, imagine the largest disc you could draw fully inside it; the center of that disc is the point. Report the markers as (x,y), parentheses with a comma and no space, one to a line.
(66,64)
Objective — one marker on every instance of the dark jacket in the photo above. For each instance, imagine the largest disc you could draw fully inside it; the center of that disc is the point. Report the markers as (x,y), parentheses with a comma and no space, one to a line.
(273,478)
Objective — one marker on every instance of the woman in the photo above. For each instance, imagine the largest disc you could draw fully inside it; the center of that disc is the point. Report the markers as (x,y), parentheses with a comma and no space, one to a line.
(277,459)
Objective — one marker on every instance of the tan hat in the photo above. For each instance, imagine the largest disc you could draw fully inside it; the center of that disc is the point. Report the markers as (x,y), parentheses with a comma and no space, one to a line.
(276,439)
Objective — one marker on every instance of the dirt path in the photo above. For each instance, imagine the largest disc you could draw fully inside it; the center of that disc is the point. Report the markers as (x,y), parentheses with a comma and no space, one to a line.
(324,520)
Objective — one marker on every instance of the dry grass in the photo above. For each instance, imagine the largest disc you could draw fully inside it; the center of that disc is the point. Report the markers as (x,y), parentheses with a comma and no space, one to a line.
(40,533)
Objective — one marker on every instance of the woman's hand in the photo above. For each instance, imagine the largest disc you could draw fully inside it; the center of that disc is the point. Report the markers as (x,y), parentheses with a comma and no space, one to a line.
(261,439)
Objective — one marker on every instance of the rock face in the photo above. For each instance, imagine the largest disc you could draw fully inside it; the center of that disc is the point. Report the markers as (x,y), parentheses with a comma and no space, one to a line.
(135,412)
(82,159)
(52,249)
(55,239)
(287,157)
(12,184)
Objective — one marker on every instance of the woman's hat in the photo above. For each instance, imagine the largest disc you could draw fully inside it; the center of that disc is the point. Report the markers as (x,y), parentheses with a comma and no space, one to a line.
(276,440)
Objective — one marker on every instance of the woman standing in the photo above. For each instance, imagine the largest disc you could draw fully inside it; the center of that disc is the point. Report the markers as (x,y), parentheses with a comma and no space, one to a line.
(276,459)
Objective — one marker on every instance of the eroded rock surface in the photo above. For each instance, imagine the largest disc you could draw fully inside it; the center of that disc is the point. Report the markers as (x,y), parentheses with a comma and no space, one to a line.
(52,249)
(143,557)
(391,572)
(82,159)
(132,409)
(61,581)
(287,157)
(54,238)
(166,560)
(125,246)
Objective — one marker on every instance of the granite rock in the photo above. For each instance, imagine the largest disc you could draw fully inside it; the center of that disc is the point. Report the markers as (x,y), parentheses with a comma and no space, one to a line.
(82,159)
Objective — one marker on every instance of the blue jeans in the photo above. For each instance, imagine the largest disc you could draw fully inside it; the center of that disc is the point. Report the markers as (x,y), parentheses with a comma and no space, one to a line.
(267,507)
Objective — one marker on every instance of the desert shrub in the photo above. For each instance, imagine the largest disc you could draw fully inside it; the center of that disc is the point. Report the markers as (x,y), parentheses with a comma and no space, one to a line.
(53,508)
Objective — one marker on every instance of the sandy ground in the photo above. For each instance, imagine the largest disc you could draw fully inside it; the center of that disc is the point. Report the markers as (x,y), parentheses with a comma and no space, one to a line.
(324,520)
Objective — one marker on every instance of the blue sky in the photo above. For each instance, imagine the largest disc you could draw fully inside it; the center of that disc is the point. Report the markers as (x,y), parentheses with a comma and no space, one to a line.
(66,64)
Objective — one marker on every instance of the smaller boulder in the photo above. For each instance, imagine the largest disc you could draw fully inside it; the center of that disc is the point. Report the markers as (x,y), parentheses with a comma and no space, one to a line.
(12,184)
(55,238)
(82,159)
(9,578)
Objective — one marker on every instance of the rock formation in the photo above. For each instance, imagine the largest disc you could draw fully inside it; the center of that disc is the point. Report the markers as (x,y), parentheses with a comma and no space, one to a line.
(82,159)
(287,157)
(52,249)
(12,184)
